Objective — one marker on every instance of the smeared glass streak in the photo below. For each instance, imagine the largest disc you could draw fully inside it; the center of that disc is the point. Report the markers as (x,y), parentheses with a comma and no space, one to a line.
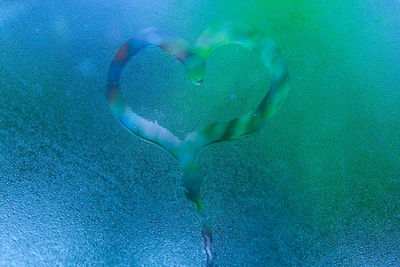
(194,60)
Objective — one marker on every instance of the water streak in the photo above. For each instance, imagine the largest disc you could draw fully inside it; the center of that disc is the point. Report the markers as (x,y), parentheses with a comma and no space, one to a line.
(194,60)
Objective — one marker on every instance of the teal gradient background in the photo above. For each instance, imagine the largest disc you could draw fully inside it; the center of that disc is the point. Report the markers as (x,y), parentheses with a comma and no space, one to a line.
(319,185)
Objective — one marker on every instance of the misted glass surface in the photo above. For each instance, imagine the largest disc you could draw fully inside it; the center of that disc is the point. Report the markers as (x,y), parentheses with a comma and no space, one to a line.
(318,185)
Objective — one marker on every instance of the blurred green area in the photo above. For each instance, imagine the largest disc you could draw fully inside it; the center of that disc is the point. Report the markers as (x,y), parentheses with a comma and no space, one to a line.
(338,130)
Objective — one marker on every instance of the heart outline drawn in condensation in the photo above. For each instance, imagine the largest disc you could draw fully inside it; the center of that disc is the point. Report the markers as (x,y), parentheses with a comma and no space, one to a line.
(194,60)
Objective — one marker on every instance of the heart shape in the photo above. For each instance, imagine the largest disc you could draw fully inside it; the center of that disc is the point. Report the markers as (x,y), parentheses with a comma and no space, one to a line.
(194,60)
